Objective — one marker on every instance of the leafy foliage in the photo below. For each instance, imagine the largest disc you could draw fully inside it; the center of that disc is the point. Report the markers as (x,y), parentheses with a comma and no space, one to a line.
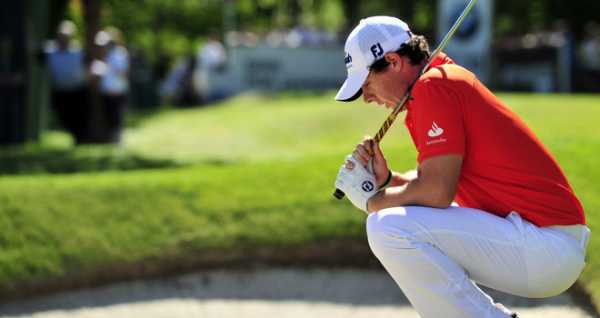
(177,27)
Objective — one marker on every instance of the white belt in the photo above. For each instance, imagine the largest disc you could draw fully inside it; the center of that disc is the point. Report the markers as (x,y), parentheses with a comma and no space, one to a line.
(578,231)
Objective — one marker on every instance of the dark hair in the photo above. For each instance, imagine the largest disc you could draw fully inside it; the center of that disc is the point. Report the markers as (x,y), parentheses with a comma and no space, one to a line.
(416,49)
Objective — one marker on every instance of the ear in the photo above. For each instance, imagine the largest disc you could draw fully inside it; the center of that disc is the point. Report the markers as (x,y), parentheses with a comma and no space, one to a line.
(396,62)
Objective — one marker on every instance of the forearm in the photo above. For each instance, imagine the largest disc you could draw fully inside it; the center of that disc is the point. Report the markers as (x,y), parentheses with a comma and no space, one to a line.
(400,179)
(413,192)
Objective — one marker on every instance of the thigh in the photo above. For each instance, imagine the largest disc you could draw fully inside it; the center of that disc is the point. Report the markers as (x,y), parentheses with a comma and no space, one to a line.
(488,247)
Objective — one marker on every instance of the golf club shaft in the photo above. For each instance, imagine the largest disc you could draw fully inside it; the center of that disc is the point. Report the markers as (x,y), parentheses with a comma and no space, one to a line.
(339,194)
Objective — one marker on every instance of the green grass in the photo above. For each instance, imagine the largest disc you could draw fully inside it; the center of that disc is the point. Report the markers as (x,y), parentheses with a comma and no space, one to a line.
(288,127)
(262,174)
(55,225)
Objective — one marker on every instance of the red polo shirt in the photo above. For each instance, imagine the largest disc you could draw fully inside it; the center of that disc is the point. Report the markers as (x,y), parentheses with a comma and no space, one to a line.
(505,166)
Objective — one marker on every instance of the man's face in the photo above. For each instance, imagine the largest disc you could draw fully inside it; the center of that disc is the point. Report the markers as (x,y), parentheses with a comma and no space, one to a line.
(63,40)
(384,87)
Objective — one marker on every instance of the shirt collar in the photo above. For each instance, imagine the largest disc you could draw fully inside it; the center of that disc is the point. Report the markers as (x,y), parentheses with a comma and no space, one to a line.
(440,59)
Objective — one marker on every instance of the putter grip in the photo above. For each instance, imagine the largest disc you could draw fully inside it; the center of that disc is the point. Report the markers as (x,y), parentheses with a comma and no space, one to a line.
(338,194)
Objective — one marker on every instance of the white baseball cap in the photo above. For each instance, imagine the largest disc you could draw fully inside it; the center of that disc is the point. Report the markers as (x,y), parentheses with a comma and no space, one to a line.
(367,43)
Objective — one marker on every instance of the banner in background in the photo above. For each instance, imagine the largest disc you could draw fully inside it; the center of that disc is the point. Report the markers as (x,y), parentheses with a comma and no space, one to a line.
(471,44)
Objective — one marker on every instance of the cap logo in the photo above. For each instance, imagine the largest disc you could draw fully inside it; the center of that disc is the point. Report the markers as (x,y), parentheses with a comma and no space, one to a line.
(348,60)
(377,50)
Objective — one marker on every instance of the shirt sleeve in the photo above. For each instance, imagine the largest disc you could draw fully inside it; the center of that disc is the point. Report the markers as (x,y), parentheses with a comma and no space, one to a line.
(119,60)
(438,120)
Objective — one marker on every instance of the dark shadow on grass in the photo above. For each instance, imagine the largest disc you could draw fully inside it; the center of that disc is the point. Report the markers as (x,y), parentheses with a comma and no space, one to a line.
(24,161)
(27,160)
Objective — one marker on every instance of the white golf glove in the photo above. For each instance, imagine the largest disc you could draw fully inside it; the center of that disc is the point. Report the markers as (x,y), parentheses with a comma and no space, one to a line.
(358,183)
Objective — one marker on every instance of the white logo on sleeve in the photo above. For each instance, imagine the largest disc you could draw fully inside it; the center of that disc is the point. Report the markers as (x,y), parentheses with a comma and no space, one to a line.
(435,130)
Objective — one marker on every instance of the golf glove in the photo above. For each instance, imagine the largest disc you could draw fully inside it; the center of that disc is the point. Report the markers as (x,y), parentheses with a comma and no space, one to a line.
(358,183)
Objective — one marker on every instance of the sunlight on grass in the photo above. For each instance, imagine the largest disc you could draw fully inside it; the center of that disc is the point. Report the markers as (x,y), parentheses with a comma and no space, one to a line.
(257,128)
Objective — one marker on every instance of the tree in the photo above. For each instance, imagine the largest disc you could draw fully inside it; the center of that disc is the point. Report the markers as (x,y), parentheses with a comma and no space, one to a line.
(97,130)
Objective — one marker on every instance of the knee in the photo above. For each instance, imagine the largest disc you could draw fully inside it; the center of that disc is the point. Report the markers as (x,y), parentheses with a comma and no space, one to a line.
(390,228)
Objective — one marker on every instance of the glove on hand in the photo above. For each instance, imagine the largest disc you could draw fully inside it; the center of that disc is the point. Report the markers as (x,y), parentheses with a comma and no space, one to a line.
(358,184)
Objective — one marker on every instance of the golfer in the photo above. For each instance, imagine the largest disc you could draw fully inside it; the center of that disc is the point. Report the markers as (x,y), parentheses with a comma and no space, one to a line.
(489,205)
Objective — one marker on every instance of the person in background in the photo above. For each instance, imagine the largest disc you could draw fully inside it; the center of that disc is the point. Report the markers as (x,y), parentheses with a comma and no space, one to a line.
(590,47)
(588,77)
(112,71)
(212,54)
(70,98)
(187,94)
(180,85)
(211,61)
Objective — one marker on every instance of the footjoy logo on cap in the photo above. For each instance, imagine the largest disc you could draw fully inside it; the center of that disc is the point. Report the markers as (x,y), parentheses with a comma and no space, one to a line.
(348,60)
(368,186)
(377,50)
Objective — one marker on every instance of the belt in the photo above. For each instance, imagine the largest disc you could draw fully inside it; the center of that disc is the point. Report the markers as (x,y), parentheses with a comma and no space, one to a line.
(579,232)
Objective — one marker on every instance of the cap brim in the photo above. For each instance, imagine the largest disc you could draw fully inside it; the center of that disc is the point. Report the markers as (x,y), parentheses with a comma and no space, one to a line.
(352,87)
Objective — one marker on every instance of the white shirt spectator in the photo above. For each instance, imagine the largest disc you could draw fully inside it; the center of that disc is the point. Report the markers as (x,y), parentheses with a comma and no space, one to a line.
(113,72)
(590,53)
(212,55)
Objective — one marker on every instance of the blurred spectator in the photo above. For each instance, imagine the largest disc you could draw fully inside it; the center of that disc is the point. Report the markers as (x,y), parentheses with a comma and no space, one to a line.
(212,55)
(238,38)
(588,77)
(185,94)
(275,38)
(169,86)
(178,87)
(300,36)
(70,99)
(212,62)
(590,47)
(112,71)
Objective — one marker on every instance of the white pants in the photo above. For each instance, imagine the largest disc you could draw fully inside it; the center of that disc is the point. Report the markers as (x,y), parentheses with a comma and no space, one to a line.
(437,255)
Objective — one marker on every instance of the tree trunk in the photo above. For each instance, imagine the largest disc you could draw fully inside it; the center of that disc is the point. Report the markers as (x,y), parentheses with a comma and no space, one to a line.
(294,11)
(97,131)
(91,16)
(351,10)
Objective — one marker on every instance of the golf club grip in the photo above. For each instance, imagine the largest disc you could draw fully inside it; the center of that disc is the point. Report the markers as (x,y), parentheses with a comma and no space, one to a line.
(339,194)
